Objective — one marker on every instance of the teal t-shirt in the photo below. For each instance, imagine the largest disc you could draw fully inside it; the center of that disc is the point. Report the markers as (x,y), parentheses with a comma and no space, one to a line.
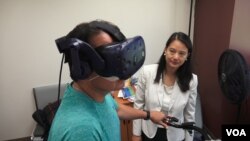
(80,118)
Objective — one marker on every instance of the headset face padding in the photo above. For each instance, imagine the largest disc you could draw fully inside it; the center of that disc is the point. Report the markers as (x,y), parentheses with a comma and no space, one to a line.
(233,74)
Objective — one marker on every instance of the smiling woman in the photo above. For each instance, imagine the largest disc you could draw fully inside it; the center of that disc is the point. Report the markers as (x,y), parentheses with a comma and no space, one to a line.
(168,86)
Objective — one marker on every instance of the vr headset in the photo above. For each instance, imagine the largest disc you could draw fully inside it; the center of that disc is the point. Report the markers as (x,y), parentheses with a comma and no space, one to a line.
(120,60)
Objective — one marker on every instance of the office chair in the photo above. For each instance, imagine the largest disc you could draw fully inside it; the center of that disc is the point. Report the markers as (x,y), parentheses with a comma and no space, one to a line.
(43,96)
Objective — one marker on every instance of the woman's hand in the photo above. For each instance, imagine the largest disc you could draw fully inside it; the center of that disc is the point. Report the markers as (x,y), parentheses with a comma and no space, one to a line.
(158,118)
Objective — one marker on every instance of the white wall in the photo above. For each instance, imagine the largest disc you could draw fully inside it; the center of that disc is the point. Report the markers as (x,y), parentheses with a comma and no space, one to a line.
(29,57)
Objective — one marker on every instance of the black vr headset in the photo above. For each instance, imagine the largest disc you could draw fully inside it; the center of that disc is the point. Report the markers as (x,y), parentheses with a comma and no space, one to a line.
(120,59)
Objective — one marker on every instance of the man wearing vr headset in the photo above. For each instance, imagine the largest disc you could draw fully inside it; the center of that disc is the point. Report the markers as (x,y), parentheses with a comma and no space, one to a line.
(100,59)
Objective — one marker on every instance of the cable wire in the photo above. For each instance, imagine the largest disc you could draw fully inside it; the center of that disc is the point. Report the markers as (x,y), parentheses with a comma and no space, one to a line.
(59,83)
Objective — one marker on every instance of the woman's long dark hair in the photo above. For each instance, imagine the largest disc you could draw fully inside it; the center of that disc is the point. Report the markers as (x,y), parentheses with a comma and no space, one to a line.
(184,73)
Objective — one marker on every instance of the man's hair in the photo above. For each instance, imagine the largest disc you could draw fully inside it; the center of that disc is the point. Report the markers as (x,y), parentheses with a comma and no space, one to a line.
(85,31)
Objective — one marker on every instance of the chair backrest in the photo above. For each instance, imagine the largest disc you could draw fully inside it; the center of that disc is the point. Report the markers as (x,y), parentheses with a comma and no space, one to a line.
(47,94)
(198,113)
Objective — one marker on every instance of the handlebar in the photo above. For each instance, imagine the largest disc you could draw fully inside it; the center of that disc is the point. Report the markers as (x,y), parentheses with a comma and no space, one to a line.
(189,126)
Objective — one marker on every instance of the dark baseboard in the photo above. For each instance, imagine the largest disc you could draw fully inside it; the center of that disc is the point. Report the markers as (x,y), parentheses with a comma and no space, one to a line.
(21,139)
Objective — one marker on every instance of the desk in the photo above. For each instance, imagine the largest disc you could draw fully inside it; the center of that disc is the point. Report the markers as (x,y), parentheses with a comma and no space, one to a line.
(126,125)
(121,100)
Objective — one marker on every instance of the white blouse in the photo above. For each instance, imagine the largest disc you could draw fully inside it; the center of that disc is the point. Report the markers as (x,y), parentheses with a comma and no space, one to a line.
(166,98)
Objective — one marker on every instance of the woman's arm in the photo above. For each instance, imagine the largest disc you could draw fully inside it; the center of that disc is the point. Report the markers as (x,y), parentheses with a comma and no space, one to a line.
(136,138)
(139,103)
(189,111)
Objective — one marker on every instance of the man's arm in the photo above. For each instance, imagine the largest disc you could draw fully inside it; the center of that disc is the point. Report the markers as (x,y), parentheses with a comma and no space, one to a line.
(129,113)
